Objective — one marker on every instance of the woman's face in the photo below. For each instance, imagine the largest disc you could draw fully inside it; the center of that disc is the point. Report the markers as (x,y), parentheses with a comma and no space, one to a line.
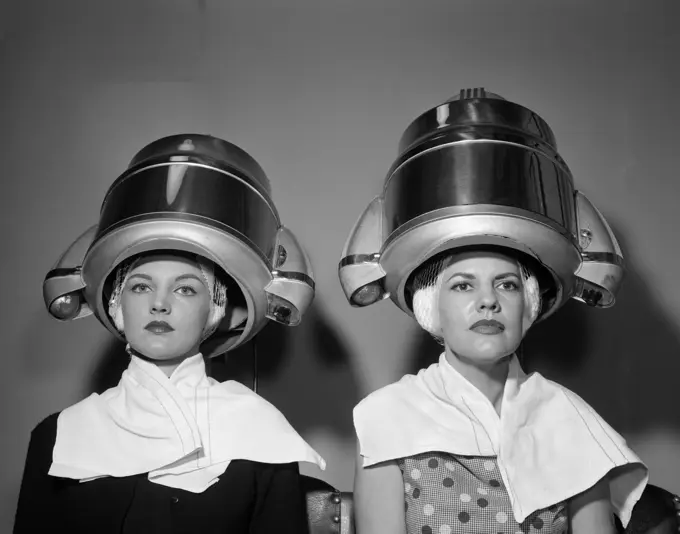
(482,308)
(165,305)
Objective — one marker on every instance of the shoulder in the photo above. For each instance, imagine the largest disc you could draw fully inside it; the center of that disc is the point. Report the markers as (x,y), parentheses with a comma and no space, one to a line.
(246,401)
(551,389)
(235,387)
(537,386)
(576,400)
(257,430)
(398,394)
(388,422)
(43,438)
(46,430)
(552,403)
(245,409)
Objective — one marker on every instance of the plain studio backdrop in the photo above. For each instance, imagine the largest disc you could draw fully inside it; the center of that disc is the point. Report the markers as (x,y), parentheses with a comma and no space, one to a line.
(319,93)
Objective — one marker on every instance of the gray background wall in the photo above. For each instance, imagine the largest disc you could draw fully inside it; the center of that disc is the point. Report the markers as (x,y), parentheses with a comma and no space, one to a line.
(319,93)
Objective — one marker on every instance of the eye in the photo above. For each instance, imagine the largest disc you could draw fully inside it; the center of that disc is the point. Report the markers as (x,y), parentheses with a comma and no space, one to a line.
(186,291)
(509,285)
(461,286)
(140,288)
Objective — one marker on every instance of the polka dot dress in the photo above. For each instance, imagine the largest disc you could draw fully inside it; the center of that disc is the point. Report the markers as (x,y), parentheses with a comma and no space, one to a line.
(448,494)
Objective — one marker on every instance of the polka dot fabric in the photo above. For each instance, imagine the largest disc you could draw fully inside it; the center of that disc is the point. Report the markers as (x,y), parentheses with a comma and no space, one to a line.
(448,494)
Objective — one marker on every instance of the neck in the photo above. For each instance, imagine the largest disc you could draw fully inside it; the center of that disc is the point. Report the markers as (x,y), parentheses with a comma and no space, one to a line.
(488,378)
(167,366)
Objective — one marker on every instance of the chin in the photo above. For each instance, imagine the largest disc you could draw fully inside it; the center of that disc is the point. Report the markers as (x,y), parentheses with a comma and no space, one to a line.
(486,357)
(160,348)
(495,347)
(162,356)
(489,352)
(157,353)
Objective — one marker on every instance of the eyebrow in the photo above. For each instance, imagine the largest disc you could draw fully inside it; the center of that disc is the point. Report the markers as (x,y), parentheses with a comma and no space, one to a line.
(178,279)
(140,275)
(188,277)
(506,275)
(469,276)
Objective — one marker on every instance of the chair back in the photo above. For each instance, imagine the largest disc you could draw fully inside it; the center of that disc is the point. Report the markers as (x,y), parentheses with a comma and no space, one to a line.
(329,511)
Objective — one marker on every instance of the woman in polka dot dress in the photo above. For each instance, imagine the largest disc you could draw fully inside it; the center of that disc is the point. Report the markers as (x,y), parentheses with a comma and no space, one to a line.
(472,444)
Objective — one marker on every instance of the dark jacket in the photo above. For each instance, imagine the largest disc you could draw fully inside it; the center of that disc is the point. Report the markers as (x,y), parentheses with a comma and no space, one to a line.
(249,498)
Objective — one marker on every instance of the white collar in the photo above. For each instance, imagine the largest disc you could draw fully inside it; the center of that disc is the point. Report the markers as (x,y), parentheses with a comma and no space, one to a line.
(182,430)
(549,444)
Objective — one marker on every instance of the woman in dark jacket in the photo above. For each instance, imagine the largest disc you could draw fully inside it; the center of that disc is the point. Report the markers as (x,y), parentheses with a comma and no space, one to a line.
(182,266)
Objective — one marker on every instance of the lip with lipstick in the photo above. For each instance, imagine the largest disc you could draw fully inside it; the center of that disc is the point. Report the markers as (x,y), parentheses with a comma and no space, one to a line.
(488,327)
(159,327)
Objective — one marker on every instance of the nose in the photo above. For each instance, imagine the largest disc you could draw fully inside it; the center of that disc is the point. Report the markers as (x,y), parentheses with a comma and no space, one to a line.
(488,302)
(160,303)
